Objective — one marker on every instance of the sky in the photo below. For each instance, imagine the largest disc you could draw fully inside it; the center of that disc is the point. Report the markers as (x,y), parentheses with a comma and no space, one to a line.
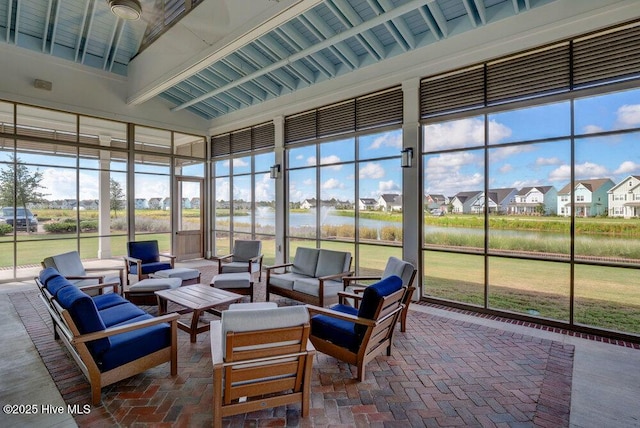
(538,164)
(379,171)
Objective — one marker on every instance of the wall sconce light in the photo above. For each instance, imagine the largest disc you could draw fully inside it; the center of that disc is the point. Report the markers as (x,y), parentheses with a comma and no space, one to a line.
(275,171)
(407,157)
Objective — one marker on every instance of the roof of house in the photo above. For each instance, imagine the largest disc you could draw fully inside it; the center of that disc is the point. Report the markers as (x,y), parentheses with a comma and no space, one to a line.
(592,185)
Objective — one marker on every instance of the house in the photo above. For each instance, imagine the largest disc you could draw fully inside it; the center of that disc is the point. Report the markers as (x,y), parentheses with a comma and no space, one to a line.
(624,198)
(461,202)
(166,204)
(367,204)
(435,202)
(591,197)
(155,203)
(390,202)
(89,204)
(195,202)
(142,204)
(536,200)
(186,203)
(307,204)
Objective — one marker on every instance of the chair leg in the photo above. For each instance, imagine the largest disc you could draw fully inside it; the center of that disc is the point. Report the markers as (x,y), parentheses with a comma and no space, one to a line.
(361,371)
(403,319)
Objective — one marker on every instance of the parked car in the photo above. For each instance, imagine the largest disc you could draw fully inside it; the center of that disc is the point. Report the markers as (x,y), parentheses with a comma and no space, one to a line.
(23,221)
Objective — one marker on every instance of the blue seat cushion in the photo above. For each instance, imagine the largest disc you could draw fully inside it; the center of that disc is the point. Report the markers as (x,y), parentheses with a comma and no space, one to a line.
(339,332)
(127,347)
(371,298)
(85,315)
(119,314)
(150,267)
(104,301)
(57,283)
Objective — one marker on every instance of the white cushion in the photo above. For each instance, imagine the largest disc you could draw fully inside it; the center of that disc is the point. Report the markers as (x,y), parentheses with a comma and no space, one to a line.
(155,284)
(261,319)
(232,280)
(253,306)
(184,274)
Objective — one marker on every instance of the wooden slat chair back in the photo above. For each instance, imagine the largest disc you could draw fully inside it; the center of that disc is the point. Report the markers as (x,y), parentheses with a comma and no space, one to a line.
(258,369)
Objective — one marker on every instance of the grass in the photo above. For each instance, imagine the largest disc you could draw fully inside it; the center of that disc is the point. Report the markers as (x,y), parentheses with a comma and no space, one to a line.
(605,297)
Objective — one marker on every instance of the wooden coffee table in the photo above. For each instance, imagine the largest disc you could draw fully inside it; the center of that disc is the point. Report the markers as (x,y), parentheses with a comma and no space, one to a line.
(196,298)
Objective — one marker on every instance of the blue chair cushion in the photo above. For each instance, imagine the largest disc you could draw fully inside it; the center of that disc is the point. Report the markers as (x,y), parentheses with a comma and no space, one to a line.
(339,332)
(85,315)
(371,298)
(47,274)
(127,347)
(147,251)
(119,314)
(109,300)
(57,283)
(150,267)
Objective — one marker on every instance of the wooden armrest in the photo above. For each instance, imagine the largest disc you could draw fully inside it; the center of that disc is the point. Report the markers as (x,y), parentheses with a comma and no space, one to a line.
(171,256)
(112,331)
(108,269)
(221,257)
(284,265)
(340,315)
(350,295)
(85,276)
(335,276)
(132,259)
(100,286)
(348,279)
(256,258)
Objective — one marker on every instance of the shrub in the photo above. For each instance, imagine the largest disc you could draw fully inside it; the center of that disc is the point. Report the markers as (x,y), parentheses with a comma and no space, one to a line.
(391,233)
(5,228)
(60,227)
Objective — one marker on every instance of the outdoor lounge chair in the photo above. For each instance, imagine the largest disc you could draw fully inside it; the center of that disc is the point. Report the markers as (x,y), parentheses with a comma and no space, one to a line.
(261,359)
(357,336)
(405,270)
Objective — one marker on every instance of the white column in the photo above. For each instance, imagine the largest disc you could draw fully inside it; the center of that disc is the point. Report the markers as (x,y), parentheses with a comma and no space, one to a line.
(278,123)
(411,193)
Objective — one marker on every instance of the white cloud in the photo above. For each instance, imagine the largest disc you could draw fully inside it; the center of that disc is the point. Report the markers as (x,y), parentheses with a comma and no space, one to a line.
(562,173)
(222,190)
(299,157)
(592,129)
(506,152)
(388,139)
(498,132)
(329,160)
(59,183)
(548,161)
(332,183)
(388,186)
(459,133)
(238,162)
(629,115)
(371,170)
(311,160)
(264,190)
(584,171)
(627,167)
(308,182)
(506,168)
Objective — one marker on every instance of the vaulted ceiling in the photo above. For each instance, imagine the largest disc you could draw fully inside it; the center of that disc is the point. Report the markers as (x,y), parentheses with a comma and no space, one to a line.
(246,51)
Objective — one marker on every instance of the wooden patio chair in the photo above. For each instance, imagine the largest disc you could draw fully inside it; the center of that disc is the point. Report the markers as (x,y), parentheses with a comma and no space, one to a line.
(357,336)
(261,359)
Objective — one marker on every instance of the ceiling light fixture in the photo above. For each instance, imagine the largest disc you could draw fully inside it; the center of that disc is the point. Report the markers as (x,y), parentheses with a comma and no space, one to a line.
(126,9)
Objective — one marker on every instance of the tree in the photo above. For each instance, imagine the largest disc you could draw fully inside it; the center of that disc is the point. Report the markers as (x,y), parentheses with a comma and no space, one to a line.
(19,186)
(117,197)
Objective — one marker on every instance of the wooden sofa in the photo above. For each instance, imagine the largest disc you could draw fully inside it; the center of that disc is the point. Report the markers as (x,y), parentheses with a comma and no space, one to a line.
(314,277)
(109,337)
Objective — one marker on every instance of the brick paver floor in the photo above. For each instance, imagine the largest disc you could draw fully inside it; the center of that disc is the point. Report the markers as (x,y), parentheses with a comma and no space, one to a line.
(442,372)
